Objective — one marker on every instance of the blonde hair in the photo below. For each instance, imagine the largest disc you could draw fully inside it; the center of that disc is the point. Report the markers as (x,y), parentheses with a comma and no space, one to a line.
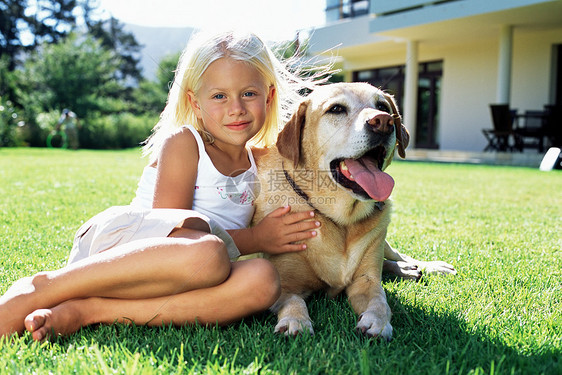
(202,50)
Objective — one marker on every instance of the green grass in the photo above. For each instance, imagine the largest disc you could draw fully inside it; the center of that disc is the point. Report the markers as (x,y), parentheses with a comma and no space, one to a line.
(502,314)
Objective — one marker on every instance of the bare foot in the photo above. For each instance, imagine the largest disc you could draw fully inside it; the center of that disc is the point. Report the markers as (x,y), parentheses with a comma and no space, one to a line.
(61,320)
(16,303)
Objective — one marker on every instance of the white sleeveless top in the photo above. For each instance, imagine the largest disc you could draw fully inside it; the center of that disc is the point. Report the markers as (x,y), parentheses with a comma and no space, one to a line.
(229,201)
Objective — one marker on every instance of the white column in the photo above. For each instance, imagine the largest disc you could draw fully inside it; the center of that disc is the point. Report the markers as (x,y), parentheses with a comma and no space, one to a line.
(411,90)
(504,65)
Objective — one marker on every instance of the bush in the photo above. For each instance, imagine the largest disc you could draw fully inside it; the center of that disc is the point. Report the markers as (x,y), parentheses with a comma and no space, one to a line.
(117,131)
(133,130)
(123,130)
(10,124)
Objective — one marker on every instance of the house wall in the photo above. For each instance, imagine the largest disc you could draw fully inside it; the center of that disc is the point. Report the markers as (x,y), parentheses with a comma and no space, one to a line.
(533,76)
(470,78)
(469,86)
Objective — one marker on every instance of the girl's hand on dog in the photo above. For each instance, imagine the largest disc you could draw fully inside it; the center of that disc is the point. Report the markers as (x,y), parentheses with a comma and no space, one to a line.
(279,230)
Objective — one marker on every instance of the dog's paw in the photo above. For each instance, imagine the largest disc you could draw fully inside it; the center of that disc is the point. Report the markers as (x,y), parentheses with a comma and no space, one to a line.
(437,268)
(371,325)
(405,270)
(293,326)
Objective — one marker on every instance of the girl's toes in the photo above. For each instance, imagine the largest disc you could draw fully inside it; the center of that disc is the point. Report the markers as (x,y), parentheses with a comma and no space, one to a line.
(36,320)
(38,324)
(40,334)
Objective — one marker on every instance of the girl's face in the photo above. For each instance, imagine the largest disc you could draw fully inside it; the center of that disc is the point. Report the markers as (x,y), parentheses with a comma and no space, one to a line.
(232,101)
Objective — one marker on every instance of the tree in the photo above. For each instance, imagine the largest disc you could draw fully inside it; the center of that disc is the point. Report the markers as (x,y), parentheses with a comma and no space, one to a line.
(25,24)
(76,73)
(8,79)
(112,36)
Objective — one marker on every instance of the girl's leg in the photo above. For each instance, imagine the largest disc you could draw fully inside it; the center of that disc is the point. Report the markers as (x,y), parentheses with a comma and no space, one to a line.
(137,270)
(252,286)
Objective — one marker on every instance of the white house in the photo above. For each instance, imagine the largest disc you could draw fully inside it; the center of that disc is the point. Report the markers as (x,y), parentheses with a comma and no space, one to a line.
(447,61)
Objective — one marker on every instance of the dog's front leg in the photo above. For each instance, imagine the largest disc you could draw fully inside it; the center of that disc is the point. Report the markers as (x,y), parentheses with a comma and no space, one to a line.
(368,299)
(367,296)
(292,315)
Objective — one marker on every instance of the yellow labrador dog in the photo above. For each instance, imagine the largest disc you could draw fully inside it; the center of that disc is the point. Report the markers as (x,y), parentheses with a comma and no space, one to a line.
(331,157)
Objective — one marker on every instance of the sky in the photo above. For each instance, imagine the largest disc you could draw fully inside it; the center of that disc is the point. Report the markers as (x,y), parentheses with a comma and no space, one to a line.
(274,20)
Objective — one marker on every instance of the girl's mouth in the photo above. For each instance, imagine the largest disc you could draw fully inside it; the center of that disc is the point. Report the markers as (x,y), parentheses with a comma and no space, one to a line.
(239,125)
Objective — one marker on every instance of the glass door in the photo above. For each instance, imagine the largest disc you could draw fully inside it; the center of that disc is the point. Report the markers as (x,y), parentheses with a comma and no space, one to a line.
(429,94)
(558,70)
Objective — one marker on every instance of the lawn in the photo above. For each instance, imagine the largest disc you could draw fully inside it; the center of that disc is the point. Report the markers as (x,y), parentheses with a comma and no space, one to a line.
(502,314)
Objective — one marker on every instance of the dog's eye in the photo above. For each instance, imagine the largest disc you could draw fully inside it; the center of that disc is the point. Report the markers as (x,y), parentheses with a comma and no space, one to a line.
(337,109)
(381,106)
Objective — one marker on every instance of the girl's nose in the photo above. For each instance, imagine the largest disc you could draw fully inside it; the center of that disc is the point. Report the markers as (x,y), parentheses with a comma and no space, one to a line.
(237,107)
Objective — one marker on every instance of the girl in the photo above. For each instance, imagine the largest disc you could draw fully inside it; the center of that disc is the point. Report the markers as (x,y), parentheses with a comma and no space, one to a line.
(166,257)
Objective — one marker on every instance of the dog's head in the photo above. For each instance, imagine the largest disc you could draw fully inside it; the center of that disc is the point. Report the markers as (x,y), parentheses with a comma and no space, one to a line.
(350,129)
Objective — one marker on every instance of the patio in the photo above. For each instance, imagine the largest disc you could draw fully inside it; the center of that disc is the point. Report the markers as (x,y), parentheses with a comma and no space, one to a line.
(519,159)
(516,131)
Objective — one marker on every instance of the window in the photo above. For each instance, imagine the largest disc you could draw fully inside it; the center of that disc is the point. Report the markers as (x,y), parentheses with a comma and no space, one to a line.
(389,79)
(339,9)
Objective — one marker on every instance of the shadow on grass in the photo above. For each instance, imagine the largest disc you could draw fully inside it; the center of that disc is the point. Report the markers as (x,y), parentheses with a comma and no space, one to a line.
(443,343)
(424,343)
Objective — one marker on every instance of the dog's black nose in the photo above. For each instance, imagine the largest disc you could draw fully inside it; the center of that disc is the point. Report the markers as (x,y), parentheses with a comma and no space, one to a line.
(382,123)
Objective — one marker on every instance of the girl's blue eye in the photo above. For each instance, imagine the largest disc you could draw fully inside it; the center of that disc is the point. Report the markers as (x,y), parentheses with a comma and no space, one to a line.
(249,94)
(219,96)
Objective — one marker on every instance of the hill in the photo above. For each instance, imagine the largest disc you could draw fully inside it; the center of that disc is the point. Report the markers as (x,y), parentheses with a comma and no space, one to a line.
(157,43)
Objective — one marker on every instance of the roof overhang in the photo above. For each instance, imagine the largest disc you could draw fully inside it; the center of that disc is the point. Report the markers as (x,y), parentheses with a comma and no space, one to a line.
(454,22)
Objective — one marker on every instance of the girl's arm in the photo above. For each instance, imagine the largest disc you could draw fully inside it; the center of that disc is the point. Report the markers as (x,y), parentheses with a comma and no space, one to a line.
(175,184)
(277,232)
(177,172)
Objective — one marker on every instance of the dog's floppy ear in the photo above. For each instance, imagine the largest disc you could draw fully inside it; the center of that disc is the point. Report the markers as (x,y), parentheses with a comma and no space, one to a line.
(289,139)
(402,135)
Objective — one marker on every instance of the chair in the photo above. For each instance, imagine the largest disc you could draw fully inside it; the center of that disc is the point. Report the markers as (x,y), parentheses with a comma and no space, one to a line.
(499,137)
(532,133)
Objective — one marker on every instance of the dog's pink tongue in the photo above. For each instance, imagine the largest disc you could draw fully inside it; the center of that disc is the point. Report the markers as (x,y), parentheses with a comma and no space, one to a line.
(367,174)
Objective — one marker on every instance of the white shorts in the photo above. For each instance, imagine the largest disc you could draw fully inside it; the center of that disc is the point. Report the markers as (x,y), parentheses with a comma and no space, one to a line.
(123,224)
